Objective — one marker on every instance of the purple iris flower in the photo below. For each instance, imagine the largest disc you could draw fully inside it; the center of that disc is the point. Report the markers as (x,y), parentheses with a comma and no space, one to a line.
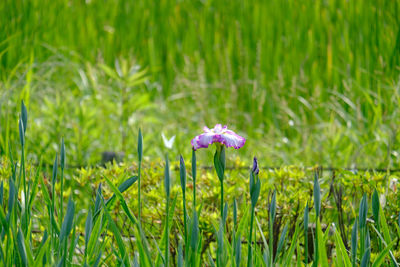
(220,135)
(255,168)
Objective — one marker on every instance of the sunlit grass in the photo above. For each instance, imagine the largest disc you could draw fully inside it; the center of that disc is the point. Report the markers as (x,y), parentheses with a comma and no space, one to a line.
(292,76)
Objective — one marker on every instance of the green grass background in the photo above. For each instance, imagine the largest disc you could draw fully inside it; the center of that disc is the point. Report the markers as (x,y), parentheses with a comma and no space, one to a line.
(306,82)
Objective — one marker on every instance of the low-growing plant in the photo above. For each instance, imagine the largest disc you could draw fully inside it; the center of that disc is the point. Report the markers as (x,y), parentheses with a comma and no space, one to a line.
(37,229)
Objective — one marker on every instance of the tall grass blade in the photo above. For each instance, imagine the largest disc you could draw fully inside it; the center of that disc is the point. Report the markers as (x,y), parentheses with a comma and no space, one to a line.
(305,225)
(68,220)
(281,243)
(322,255)
(317,195)
(24,116)
(121,246)
(381,256)
(341,252)
(293,245)
(354,237)
(194,163)
(21,248)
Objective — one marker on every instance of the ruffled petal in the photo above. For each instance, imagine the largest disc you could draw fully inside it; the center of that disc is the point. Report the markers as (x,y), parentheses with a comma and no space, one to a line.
(202,140)
(218,129)
(206,129)
(231,139)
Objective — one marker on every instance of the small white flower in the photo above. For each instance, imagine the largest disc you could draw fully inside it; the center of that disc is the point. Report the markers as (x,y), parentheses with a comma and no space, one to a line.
(168,143)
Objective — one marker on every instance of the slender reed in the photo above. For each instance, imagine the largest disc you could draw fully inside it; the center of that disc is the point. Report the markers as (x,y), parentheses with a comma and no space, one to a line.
(140,156)
(167,193)
(255,187)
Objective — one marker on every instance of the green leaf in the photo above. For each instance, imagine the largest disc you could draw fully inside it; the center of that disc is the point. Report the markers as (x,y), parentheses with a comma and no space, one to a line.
(122,188)
(182,172)
(35,185)
(94,236)
(44,191)
(234,213)
(140,146)
(381,257)
(341,252)
(11,198)
(41,253)
(180,254)
(386,232)
(225,213)
(219,162)
(118,237)
(3,220)
(317,195)
(21,247)
(1,193)
(141,240)
(323,258)
(365,258)
(68,220)
(54,174)
(354,234)
(375,206)
(88,227)
(363,212)
(266,247)
(195,231)
(255,190)
(127,183)
(194,163)
(305,225)
(98,201)
(110,72)
(281,242)
(21,133)
(238,250)
(166,177)
(272,208)
(62,155)
(24,116)
(294,241)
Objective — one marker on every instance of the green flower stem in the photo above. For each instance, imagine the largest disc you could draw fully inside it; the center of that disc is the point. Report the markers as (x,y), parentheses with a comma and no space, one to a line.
(194,177)
(139,202)
(24,181)
(61,196)
(167,235)
(185,225)
(222,200)
(271,242)
(219,163)
(249,261)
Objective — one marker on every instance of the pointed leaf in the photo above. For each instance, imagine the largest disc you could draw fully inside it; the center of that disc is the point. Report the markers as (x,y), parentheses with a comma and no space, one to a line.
(62,154)
(24,116)
(166,177)
(68,220)
(317,195)
(182,172)
(140,145)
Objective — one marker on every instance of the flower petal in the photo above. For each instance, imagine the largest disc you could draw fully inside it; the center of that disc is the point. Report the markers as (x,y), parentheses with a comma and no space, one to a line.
(202,140)
(231,139)
(218,128)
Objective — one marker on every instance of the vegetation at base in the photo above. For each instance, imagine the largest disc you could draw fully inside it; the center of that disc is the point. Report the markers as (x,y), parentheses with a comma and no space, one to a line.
(342,225)
(306,82)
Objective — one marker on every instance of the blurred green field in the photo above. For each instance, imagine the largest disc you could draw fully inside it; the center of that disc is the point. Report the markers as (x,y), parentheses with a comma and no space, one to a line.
(306,82)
